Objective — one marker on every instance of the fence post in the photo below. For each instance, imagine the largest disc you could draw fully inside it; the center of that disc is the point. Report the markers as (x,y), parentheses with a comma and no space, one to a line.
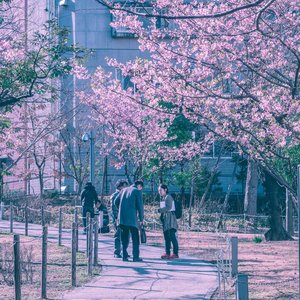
(234,256)
(26,220)
(1,210)
(44,262)
(17,267)
(11,217)
(90,248)
(60,227)
(74,254)
(96,227)
(242,287)
(87,228)
(76,229)
(219,279)
(101,219)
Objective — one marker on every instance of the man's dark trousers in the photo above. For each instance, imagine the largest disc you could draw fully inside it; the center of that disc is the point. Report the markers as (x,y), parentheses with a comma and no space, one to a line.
(135,240)
(117,237)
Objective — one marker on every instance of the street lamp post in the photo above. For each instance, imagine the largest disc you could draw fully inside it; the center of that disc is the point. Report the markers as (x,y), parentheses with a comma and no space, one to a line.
(85,138)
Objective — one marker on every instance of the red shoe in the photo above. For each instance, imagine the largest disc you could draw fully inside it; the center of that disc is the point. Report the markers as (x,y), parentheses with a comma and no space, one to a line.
(173,256)
(165,256)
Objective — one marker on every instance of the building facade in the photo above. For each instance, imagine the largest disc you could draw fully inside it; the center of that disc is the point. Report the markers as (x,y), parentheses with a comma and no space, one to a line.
(88,23)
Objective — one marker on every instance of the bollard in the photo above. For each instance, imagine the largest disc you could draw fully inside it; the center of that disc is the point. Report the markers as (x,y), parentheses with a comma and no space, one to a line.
(74,254)
(60,227)
(234,256)
(242,287)
(90,248)
(26,220)
(44,263)
(11,218)
(17,267)
(96,228)
(77,225)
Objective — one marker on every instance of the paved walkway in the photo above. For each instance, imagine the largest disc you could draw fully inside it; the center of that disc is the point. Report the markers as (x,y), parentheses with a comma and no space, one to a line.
(184,278)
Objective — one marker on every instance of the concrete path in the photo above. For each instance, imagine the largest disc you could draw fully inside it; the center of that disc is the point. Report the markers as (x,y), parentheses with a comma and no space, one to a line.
(184,278)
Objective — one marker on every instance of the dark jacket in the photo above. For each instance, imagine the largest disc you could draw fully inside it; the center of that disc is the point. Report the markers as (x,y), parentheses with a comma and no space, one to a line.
(114,207)
(168,217)
(89,196)
(131,207)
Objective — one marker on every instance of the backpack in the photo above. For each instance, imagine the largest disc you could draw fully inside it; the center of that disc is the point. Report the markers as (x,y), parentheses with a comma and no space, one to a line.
(178,208)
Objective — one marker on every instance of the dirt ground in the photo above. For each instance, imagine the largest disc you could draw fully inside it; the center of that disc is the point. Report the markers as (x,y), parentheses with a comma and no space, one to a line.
(58,271)
(272,267)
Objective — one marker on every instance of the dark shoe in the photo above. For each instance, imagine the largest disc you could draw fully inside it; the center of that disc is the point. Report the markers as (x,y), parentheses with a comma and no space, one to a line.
(173,256)
(125,259)
(165,256)
(138,259)
(117,255)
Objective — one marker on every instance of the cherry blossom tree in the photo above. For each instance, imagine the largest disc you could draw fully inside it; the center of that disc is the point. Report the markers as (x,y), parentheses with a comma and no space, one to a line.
(33,133)
(28,61)
(139,133)
(232,69)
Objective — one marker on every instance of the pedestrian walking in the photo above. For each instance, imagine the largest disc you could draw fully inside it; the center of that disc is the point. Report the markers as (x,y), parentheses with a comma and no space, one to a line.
(89,199)
(169,221)
(130,218)
(120,185)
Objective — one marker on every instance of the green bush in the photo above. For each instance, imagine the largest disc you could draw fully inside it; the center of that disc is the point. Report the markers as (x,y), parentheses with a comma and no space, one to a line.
(257,239)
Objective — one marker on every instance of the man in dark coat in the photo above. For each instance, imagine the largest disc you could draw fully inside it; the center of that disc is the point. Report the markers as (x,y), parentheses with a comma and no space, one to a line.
(131,216)
(120,185)
(89,199)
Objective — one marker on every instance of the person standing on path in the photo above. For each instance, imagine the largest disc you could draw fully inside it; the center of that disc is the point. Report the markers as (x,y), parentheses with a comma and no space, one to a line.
(131,216)
(89,199)
(169,221)
(120,185)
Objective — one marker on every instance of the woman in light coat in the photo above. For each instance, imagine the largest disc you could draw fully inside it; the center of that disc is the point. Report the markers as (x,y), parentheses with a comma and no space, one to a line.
(169,221)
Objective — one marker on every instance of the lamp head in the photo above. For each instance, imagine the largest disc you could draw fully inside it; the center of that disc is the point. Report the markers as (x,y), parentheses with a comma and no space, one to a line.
(85,137)
(63,3)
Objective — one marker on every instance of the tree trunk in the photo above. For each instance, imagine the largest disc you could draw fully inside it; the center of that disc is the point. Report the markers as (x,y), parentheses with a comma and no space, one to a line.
(289,213)
(182,192)
(250,200)
(160,176)
(103,177)
(127,174)
(1,181)
(277,231)
(210,182)
(191,201)
(225,204)
(41,181)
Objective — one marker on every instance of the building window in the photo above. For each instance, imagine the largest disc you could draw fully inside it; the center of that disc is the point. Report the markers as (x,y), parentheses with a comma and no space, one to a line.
(162,23)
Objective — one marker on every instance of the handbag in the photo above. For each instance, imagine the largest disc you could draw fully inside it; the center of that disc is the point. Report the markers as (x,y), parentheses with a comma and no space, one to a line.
(143,235)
